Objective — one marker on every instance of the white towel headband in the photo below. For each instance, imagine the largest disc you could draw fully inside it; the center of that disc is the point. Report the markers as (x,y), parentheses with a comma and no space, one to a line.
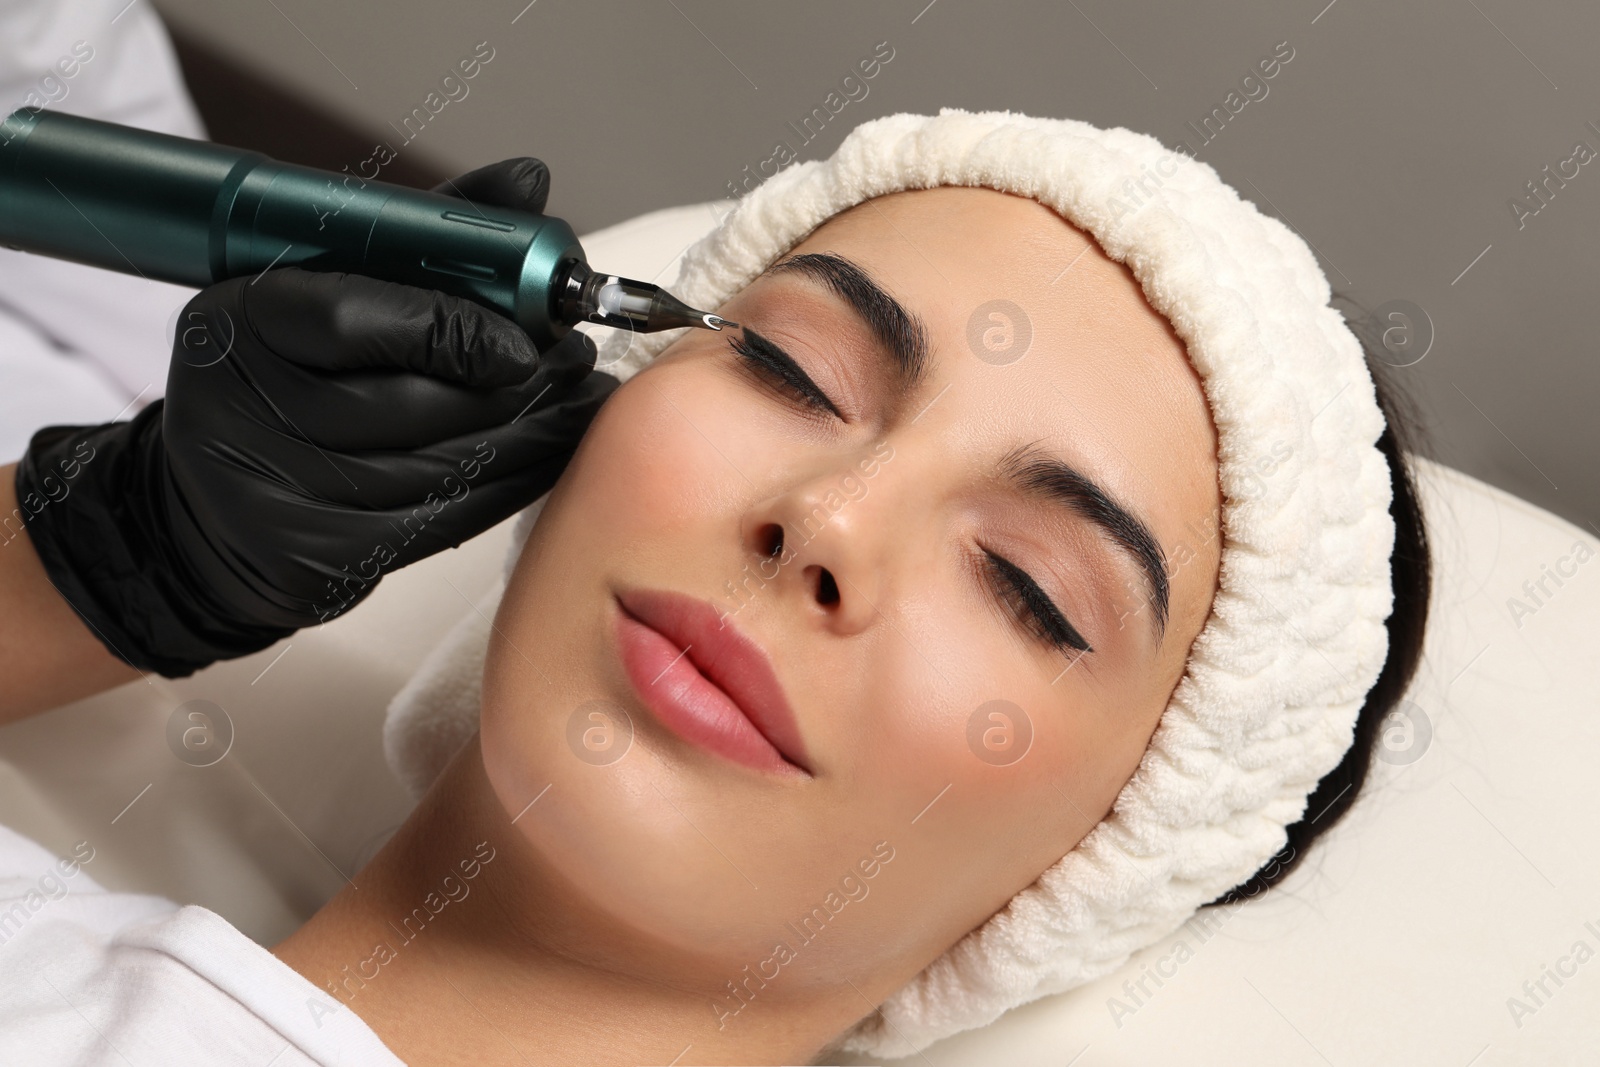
(1276,679)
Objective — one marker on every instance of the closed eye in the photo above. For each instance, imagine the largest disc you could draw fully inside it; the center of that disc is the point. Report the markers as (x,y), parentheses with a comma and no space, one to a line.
(1032,608)
(779,370)
(1030,605)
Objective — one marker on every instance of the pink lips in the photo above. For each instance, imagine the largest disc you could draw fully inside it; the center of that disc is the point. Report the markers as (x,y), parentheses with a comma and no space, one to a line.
(706,682)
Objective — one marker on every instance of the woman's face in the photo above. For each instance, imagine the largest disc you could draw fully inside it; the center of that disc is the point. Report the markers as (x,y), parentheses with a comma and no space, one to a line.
(936,492)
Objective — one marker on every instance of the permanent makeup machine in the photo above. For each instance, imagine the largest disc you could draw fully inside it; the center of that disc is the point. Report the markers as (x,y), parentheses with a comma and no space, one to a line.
(196,213)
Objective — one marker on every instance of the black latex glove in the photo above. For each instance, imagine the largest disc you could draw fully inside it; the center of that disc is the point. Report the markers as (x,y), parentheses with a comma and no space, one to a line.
(319,430)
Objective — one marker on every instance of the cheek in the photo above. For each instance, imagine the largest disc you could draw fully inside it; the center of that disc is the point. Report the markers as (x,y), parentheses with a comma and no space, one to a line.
(642,483)
(948,701)
(979,771)
(650,495)
(662,455)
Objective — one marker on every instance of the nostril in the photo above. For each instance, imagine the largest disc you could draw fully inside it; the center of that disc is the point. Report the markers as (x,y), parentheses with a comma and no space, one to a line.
(827,588)
(772,539)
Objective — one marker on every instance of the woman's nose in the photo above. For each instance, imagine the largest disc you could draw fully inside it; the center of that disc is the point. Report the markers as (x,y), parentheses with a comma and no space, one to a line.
(820,583)
(824,554)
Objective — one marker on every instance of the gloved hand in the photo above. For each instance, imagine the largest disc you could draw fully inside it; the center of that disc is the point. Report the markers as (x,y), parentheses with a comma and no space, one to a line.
(318,431)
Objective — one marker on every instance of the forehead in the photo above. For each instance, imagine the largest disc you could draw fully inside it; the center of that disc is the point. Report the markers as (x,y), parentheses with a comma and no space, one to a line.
(970,247)
(1039,335)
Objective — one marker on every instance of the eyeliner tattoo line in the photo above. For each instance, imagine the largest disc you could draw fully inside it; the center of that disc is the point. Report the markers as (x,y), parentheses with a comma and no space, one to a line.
(780,368)
(1033,607)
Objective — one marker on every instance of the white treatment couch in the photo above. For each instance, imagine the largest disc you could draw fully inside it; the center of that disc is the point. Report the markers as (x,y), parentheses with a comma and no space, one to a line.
(1457,877)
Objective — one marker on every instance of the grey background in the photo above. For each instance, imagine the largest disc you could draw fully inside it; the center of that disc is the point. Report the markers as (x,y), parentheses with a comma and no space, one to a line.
(1392,141)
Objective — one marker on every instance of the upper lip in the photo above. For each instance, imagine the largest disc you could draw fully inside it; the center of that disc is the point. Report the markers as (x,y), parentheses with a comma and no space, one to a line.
(730,660)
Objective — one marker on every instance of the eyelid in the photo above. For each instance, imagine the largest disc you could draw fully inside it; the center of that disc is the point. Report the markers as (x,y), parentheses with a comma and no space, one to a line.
(1023,585)
(781,369)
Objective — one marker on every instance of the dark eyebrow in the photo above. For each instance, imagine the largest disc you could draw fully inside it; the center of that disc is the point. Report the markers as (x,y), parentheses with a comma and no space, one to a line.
(902,333)
(899,331)
(1041,474)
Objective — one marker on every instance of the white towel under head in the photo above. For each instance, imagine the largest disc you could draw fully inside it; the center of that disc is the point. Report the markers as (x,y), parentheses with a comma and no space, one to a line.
(1296,637)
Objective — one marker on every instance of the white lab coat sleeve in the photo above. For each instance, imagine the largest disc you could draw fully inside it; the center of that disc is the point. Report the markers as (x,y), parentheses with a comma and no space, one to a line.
(79,344)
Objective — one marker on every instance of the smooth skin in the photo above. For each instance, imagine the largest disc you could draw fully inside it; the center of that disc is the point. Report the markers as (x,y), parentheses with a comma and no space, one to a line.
(622,903)
(48,655)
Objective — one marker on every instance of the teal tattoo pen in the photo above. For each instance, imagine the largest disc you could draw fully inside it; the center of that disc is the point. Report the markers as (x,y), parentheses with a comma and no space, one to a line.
(196,213)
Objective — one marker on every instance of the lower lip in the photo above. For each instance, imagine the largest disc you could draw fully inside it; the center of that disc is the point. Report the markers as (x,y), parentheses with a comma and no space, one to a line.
(688,703)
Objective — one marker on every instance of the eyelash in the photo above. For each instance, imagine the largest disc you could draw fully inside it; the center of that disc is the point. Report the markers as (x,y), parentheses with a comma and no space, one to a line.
(1032,608)
(782,377)
(1020,593)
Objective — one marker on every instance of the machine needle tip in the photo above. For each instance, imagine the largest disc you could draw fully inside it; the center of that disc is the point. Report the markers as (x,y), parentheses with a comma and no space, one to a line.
(716,322)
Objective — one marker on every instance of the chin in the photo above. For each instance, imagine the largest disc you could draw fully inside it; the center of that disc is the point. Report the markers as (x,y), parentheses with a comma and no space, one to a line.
(621,835)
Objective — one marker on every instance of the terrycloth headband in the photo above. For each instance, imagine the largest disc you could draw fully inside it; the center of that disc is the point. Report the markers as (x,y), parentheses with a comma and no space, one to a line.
(1276,679)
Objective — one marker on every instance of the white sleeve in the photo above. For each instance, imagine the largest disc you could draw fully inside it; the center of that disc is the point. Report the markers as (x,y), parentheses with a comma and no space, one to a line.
(79,344)
(93,976)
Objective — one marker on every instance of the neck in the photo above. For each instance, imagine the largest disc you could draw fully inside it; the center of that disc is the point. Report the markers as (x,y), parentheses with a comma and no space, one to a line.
(458,936)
